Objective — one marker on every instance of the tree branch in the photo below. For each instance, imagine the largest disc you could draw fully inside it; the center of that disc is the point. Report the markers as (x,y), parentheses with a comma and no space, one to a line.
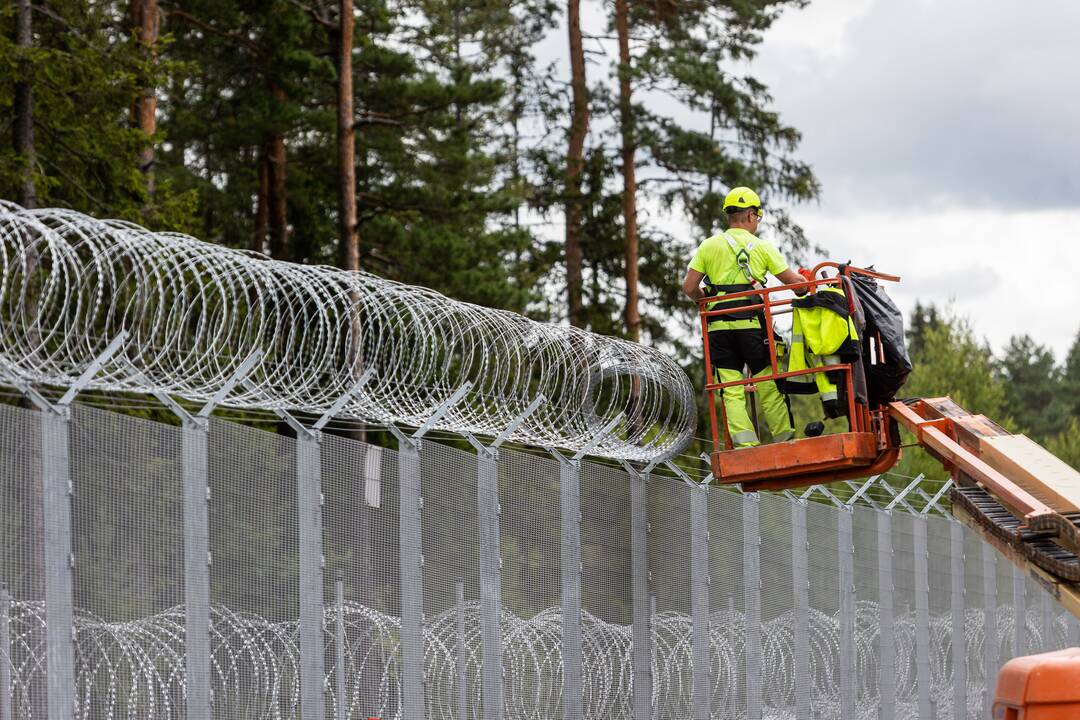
(236,38)
(315,15)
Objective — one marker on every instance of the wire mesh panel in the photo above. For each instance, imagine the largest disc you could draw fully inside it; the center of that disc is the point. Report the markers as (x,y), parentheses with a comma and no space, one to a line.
(777,606)
(1006,614)
(976,629)
(453,652)
(669,568)
(22,533)
(360,532)
(939,576)
(867,611)
(824,593)
(532,620)
(254,585)
(905,616)
(606,592)
(128,546)
(728,593)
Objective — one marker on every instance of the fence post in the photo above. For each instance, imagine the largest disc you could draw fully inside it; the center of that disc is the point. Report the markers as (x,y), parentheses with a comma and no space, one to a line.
(924,678)
(570,500)
(701,688)
(752,602)
(641,642)
(6,661)
(59,561)
(845,559)
(195,448)
(487,497)
(339,650)
(1019,583)
(990,636)
(461,667)
(886,630)
(309,508)
(800,589)
(410,539)
(959,622)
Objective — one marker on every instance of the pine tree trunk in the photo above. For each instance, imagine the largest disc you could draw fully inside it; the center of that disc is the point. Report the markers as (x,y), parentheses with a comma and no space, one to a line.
(262,199)
(279,219)
(145,18)
(626,122)
(23,132)
(348,235)
(579,129)
(349,242)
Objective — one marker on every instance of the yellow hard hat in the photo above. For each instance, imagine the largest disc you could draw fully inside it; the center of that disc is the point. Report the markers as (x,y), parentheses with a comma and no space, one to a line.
(742,197)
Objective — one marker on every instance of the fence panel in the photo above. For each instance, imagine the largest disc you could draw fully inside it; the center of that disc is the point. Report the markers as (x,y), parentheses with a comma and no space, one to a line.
(768,606)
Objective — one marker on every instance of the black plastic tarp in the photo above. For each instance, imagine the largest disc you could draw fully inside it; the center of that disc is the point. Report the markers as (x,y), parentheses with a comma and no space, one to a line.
(883,319)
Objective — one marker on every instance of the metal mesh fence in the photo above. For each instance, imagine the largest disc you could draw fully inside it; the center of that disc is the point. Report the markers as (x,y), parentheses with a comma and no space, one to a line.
(517,573)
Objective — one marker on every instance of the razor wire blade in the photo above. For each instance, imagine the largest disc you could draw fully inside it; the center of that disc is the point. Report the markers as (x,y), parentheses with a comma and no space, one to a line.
(195,311)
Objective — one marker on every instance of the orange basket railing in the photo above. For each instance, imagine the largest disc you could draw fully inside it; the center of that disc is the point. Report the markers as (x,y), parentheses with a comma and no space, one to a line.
(859,418)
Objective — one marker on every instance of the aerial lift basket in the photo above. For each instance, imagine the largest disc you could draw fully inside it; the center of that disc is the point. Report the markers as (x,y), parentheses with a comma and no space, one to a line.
(870,445)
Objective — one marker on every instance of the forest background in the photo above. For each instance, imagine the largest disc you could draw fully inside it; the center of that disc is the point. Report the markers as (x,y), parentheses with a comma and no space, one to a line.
(425,141)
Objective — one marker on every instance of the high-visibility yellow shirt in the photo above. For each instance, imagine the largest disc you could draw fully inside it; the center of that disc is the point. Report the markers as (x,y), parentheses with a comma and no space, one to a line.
(714,257)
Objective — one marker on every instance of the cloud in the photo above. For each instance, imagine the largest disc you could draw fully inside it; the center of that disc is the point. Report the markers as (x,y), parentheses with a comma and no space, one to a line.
(924,104)
(1009,273)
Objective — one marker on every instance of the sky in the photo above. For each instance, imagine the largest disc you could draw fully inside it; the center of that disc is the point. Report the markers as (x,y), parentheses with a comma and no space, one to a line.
(946,136)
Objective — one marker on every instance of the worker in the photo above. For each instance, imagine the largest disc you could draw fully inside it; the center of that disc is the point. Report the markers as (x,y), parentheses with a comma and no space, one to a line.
(730,262)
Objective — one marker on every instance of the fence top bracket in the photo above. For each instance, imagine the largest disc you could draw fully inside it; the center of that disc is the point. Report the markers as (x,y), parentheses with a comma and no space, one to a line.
(604,433)
(341,402)
(238,375)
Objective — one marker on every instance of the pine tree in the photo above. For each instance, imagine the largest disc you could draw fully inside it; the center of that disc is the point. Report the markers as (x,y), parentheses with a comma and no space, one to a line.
(348,241)
(23,106)
(1070,379)
(1033,388)
(579,130)
(680,50)
(73,89)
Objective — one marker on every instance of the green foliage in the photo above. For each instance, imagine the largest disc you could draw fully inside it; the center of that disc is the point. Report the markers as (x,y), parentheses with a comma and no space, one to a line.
(954,362)
(686,57)
(1066,444)
(1033,387)
(448,100)
(922,318)
(951,360)
(1021,389)
(85,75)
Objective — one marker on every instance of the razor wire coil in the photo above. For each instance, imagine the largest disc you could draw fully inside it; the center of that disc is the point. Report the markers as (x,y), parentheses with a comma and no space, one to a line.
(135,668)
(195,311)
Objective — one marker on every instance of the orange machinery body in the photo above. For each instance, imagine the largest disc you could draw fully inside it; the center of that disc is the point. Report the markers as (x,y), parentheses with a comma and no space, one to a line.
(1039,687)
(870,447)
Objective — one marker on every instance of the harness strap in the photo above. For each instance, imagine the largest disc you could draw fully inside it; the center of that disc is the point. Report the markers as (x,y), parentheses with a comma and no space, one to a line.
(742,257)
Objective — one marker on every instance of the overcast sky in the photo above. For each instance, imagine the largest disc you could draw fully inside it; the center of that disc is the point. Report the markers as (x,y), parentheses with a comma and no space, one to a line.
(946,135)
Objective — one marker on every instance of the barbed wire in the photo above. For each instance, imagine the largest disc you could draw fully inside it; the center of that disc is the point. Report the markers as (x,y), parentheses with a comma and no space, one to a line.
(194,312)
